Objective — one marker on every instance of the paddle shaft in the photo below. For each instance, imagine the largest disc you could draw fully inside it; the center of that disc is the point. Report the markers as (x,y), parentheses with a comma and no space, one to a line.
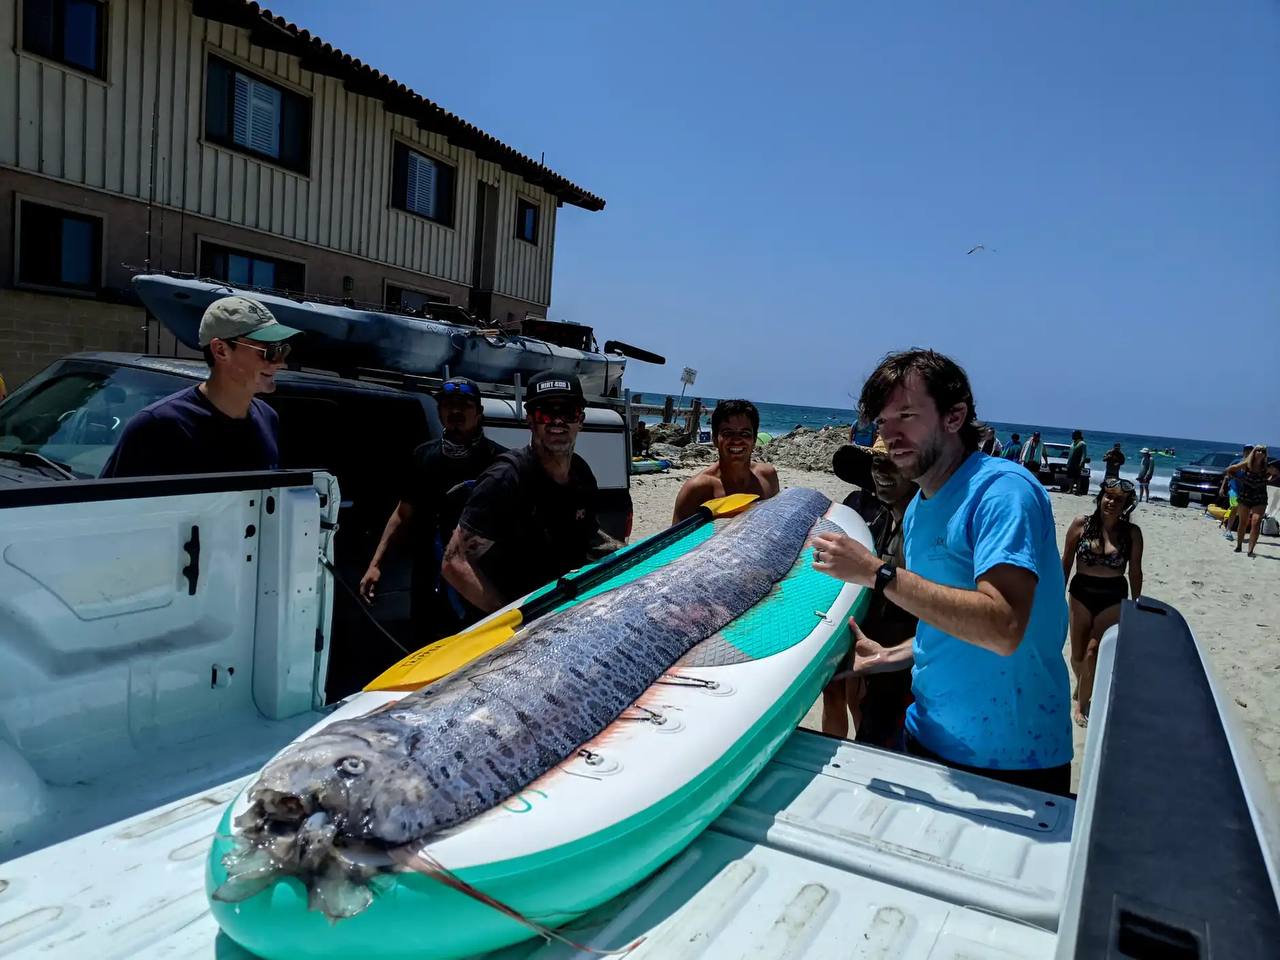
(570,587)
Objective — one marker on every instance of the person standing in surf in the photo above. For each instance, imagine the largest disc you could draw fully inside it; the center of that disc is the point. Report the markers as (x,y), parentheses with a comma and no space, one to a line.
(983,575)
(1104,543)
(1146,470)
(1114,459)
(734,426)
(531,516)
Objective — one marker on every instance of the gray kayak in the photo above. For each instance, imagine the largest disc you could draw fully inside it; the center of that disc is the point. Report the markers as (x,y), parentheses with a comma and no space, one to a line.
(344,338)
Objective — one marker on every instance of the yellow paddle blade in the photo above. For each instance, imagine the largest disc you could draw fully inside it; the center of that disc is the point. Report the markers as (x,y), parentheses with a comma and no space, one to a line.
(731,505)
(445,656)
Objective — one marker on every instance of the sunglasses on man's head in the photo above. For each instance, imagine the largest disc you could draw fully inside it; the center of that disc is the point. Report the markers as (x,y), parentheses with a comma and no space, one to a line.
(551,412)
(272,352)
(459,389)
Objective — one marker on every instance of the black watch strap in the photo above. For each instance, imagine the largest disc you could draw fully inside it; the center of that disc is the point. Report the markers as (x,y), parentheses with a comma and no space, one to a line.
(884,577)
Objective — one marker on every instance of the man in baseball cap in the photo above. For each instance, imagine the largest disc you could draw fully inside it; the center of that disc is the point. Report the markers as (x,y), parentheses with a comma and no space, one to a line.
(218,426)
(433,492)
(532,516)
(878,702)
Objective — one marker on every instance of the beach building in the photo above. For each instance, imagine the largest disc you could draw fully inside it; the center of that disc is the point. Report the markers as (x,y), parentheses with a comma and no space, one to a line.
(211,137)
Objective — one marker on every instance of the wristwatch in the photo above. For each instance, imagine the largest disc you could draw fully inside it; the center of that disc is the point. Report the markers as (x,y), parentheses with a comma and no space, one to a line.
(884,577)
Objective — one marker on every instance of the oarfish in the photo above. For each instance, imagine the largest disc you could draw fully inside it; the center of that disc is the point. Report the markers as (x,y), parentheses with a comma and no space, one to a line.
(328,804)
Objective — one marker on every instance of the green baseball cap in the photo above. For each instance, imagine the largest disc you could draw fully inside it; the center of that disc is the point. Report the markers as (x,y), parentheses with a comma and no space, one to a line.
(232,317)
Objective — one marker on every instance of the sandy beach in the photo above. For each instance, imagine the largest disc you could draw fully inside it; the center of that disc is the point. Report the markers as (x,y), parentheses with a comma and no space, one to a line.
(1231,602)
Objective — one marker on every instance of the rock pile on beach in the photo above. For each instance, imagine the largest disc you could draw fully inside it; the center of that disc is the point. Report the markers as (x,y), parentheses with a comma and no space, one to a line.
(673,434)
(806,449)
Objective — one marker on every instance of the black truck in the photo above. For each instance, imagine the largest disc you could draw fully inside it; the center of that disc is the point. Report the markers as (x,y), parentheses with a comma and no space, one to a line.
(1200,481)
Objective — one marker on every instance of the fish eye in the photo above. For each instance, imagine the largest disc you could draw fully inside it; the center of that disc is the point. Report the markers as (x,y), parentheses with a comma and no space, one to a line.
(350,766)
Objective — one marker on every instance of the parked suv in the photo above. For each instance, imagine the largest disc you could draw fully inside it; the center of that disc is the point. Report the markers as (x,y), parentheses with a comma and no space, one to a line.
(63,424)
(1201,480)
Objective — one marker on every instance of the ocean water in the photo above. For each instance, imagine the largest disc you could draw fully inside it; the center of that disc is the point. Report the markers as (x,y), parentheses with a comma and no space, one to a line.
(778,418)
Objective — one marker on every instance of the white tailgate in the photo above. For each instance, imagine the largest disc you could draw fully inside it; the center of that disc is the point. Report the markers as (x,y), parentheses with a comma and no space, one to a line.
(835,850)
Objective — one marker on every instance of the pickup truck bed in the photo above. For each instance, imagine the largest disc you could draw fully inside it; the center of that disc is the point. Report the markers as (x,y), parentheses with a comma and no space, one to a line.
(835,850)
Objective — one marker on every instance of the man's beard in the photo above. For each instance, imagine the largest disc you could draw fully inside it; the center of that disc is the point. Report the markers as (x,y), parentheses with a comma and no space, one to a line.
(925,460)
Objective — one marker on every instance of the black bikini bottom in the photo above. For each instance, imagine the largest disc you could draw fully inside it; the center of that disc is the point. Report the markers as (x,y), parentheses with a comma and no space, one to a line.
(1098,593)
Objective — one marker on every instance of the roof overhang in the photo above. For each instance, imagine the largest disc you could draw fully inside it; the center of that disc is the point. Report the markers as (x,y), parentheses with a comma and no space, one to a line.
(275,33)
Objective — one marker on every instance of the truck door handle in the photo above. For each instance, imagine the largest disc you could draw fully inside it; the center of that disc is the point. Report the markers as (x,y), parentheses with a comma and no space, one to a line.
(192,570)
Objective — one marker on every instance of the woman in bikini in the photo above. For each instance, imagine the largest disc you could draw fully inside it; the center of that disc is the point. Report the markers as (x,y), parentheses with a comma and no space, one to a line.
(1251,479)
(1104,543)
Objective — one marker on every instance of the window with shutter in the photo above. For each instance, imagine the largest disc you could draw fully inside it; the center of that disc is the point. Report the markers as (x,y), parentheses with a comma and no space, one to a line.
(250,114)
(422,185)
(257,116)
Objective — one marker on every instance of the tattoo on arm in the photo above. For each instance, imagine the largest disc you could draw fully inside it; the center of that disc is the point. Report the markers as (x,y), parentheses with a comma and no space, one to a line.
(467,546)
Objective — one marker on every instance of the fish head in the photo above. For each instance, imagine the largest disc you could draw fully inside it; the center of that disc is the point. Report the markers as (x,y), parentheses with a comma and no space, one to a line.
(326,810)
(362,783)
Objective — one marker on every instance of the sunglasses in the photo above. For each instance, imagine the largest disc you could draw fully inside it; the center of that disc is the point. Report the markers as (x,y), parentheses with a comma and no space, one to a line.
(1125,486)
(460,389)
(272,352)
(551,412)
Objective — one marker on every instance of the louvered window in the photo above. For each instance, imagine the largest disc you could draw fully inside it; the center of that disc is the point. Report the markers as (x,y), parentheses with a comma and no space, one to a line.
(252,115)
(257,116)
(422,185)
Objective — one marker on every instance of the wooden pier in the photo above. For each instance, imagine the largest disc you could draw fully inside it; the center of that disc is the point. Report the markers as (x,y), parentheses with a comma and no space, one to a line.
(670,411)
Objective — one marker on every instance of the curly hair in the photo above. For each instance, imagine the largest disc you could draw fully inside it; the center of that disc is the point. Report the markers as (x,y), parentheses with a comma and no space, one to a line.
(943,378)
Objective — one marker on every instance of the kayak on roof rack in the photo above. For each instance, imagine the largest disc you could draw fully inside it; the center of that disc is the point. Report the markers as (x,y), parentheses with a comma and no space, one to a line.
(344,337)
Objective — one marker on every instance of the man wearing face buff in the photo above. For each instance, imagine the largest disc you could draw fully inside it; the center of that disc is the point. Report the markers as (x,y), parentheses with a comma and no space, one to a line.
(531,517)
(734,426)
(440,476)
(982,574)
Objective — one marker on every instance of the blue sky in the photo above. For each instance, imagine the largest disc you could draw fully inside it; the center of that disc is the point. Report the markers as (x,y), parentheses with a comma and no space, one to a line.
(792,188)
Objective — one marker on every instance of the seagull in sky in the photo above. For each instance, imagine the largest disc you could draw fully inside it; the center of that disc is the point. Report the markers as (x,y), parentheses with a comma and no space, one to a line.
(976,247)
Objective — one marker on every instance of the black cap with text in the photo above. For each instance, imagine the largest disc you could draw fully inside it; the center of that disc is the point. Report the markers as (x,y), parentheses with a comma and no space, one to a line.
(554,388)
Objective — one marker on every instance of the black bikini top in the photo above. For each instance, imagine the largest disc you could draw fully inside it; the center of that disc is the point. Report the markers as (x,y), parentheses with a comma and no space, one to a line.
(1091,535)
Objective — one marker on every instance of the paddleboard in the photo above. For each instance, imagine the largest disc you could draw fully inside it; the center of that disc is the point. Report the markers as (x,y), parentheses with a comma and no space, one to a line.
(606,818)
(650,466)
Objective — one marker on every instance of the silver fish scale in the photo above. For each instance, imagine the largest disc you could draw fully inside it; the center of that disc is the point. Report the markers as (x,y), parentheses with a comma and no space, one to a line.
(486,731)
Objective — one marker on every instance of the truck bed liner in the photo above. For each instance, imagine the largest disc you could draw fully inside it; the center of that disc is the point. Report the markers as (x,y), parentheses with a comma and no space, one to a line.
(836,850)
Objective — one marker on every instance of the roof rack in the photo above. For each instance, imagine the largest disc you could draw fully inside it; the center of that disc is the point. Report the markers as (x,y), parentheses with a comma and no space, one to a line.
(426,383)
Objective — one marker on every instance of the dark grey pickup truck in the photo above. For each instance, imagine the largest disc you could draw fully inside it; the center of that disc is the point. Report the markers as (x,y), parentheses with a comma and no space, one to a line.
(1201,480)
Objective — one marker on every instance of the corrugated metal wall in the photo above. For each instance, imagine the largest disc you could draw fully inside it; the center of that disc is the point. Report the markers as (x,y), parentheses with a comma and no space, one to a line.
(62,123)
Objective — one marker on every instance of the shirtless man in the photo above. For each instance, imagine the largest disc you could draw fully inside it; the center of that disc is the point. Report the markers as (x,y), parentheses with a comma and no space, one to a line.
(734,425)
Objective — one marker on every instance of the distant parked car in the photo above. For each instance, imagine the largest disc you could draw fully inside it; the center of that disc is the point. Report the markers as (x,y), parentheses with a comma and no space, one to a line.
(1055,473)
(1201,480)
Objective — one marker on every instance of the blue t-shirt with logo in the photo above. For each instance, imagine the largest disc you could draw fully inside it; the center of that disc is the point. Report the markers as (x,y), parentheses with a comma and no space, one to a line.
(972,706)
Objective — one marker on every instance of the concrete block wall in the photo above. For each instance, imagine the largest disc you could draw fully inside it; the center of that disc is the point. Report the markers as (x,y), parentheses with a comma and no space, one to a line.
(38,328)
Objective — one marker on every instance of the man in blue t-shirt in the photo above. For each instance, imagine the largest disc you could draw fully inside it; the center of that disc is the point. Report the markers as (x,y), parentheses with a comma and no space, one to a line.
(218,426)
(984,576)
